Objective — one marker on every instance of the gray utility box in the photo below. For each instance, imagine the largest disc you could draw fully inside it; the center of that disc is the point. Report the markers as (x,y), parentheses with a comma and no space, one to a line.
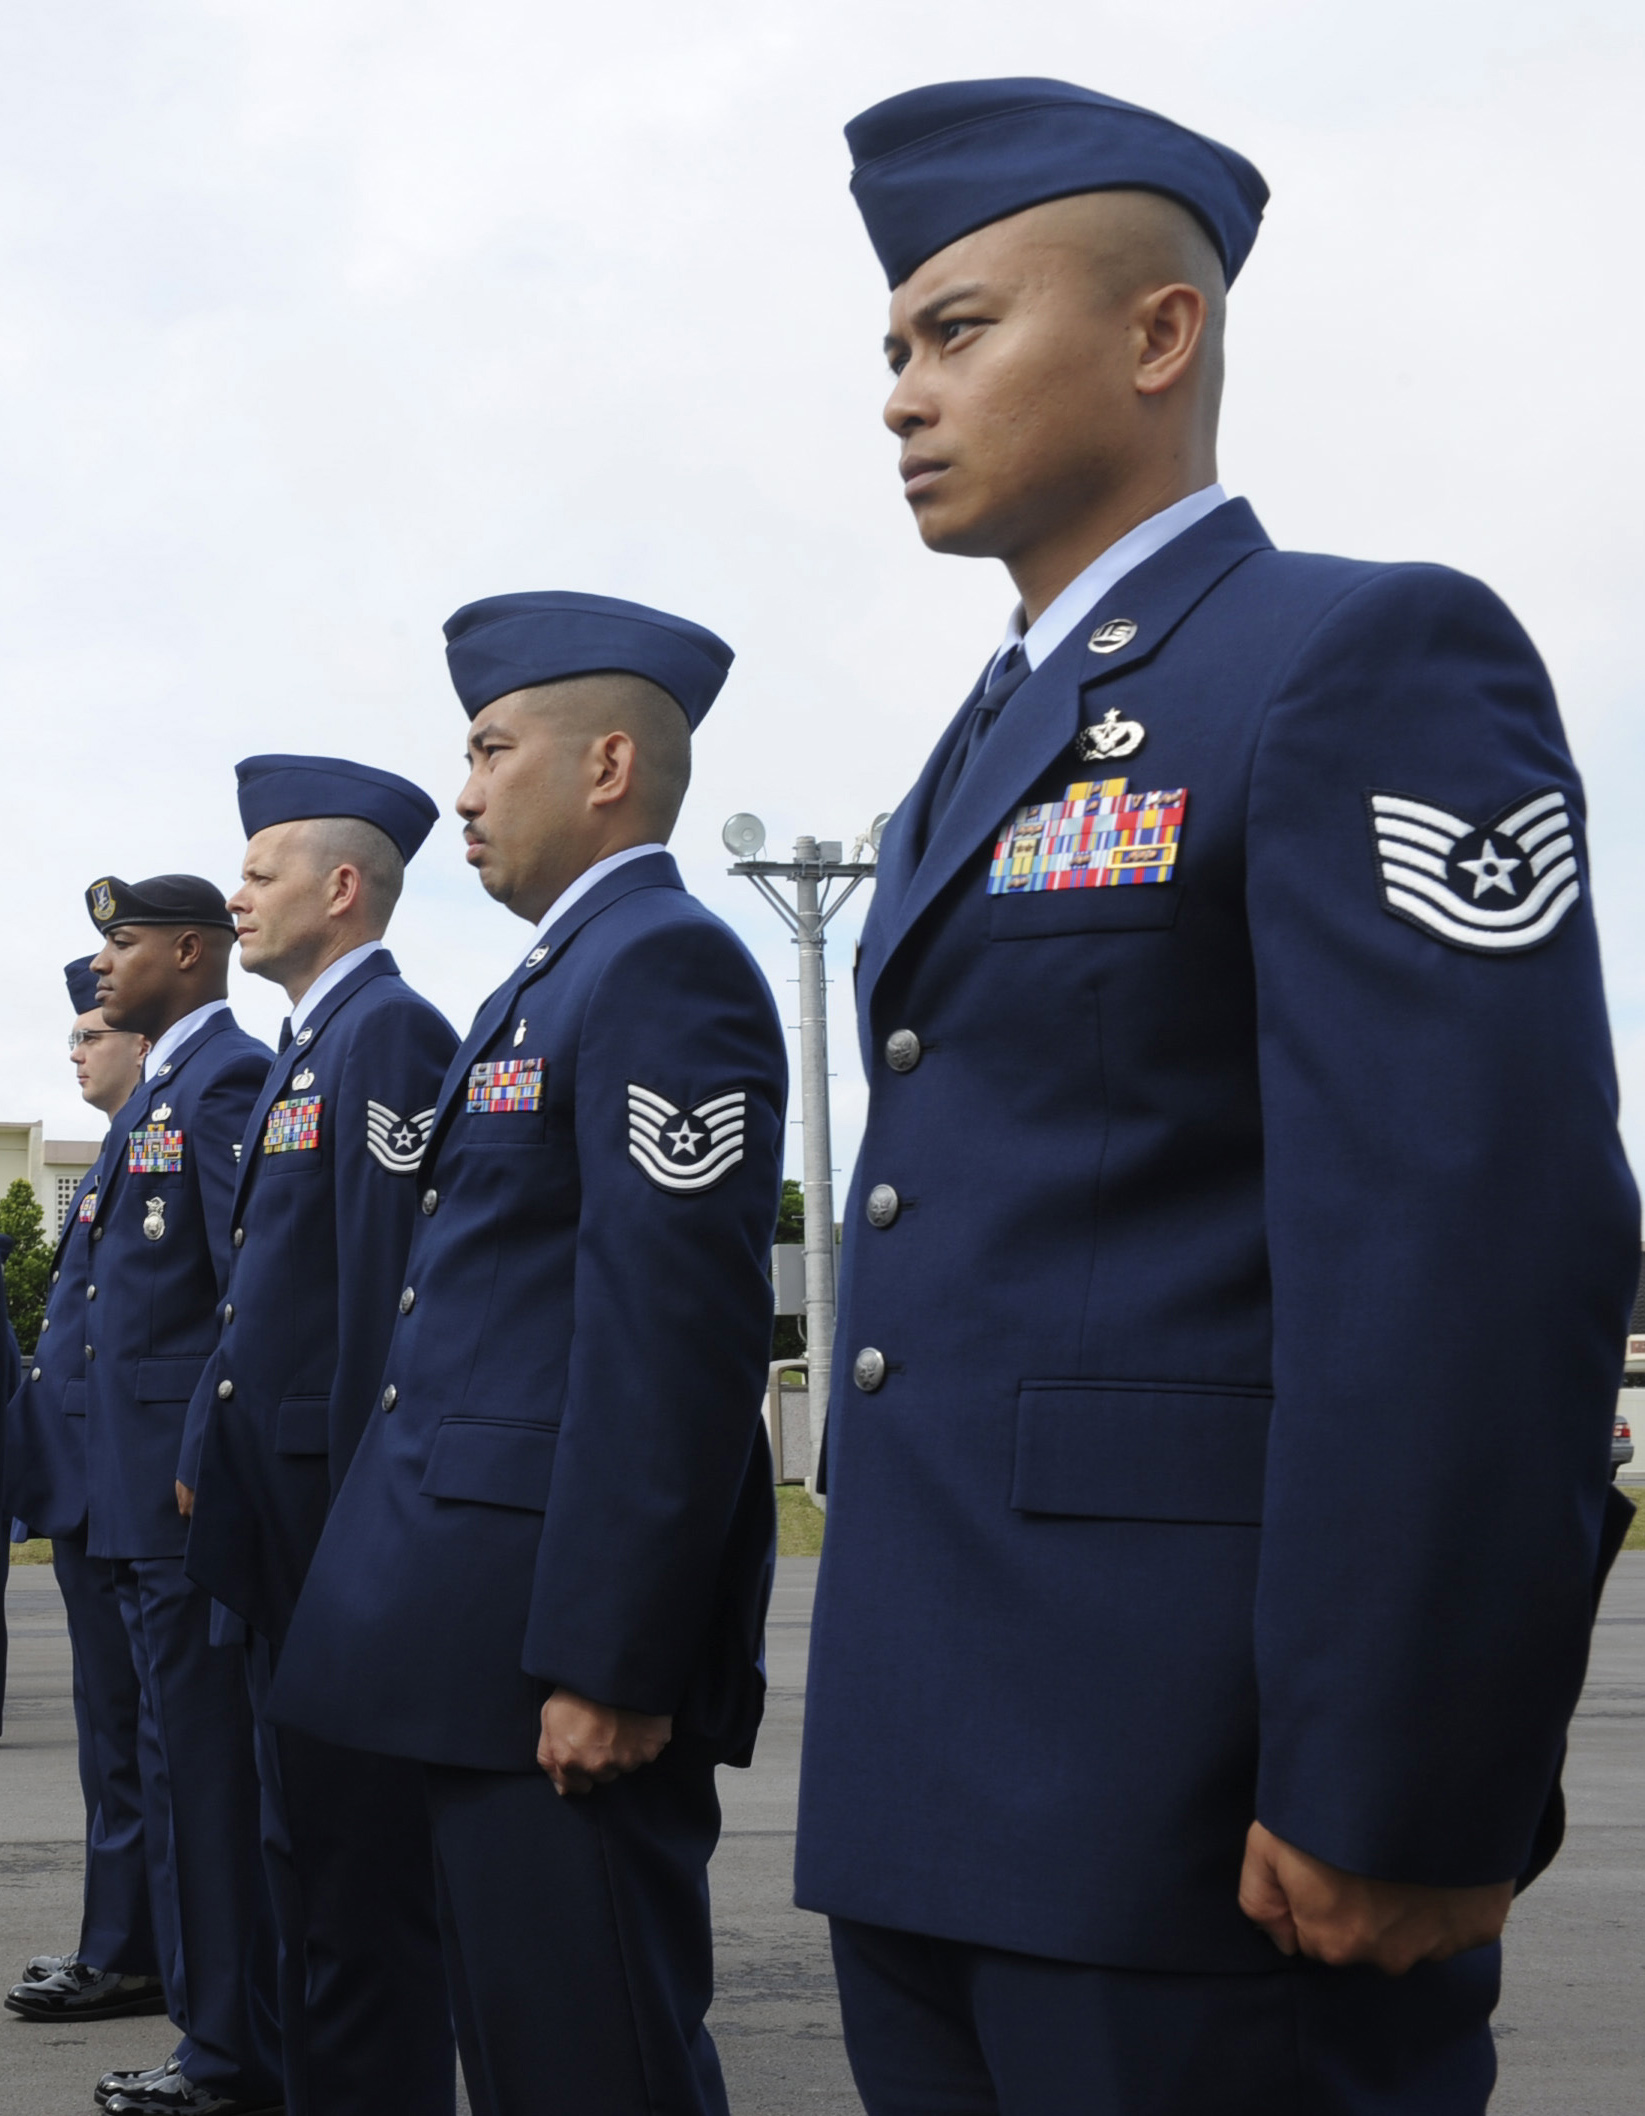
(788,1419)
(788,1278)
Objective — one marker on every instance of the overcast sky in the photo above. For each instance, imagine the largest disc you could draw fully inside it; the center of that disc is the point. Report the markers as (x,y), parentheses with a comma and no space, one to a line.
(321,317)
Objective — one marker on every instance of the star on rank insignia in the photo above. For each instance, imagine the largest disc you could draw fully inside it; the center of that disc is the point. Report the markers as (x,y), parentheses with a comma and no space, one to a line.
(397,1142)
(1494,888)
(685,1150)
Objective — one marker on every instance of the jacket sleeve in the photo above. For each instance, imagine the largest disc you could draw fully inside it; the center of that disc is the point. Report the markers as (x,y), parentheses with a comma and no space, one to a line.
(1454,1243)
(672,1317)
(390,1079)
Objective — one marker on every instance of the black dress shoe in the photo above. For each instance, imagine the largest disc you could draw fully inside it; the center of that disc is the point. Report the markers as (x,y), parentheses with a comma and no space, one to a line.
(79,1992)
(113,2083)
(173,2094)
(40,1966)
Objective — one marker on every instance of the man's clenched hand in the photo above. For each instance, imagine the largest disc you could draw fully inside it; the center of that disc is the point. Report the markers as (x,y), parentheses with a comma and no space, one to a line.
(1307,1907)
(584,1745)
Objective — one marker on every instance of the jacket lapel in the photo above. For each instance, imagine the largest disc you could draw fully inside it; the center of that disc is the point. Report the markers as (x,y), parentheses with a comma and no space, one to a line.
(378,964)
(656,871)
(146,1094)
(1040,722)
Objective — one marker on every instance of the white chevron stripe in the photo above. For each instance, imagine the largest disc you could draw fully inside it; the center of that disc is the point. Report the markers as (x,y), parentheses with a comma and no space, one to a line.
(1472,936)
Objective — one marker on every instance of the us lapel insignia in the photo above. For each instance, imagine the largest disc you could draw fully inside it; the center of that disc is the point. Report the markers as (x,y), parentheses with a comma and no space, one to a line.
(303,1035)
(1109,637)
(302,1080)
(1493,888)
(1109,737)
(536,956)
(154,1223)
(397,1142)
(685,1150)
(1097,836)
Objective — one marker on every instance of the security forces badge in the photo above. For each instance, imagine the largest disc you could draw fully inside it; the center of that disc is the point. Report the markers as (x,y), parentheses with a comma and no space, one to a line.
(102,902)
(1493,888)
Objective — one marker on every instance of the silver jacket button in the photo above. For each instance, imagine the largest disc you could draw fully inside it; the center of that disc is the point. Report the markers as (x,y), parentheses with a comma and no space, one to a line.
(408,1300)
(97,1234)
(431,1198)
(91,1351)
(883,1205)
(902,1050)
(225,1389)
(868,1369)
(35,1376)
(391,1397)
(56,1275)
(91,1294)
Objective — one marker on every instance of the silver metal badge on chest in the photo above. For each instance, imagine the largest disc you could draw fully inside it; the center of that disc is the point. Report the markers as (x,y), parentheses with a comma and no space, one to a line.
(1109,737)
(1109,637)
(301,1080)
(154,1222)
(159,1116)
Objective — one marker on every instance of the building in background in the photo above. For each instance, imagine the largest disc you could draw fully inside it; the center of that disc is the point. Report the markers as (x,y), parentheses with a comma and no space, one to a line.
(52,1167)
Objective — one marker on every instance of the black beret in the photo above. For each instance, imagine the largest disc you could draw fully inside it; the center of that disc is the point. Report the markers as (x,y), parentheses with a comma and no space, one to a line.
(163,900)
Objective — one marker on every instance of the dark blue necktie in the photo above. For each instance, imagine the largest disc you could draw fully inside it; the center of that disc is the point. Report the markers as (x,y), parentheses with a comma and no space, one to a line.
(285,1036)
(1010,673)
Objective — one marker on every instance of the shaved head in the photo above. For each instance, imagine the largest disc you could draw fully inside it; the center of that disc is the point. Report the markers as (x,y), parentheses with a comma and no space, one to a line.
(330,842)
(585,709)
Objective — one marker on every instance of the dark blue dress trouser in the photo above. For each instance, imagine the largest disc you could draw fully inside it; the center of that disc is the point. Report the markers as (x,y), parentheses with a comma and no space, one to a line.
(577,1938)
(365,2017)
(212,1920)
(116,1928)
(940,2028)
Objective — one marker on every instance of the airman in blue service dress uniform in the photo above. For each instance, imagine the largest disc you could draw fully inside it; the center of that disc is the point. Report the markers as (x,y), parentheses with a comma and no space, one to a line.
(159,1237)
(1241,1129)
(546,1572)
(113,1970)
(322,1217)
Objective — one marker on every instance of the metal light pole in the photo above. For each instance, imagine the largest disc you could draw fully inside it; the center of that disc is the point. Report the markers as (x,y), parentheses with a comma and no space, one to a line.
(813,870)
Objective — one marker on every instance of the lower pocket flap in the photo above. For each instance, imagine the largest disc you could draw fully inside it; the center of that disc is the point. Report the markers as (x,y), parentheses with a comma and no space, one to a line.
(167,1380)
(302,1426)
(1141,1453)
(74,1399)
(496,1461)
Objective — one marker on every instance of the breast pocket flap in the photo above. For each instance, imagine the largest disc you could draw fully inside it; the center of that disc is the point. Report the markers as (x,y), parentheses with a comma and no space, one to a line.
(494,1461)
(1140,1452)
(167,1380)
(302,1426)
(1042,914)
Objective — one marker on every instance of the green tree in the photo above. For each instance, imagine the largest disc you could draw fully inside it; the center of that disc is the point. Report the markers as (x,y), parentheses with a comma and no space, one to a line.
(788,1331)
(28,1268)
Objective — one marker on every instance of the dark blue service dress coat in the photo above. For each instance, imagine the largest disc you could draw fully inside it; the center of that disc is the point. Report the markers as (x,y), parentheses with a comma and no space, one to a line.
(46,1487)
(565,1481)
(159,1260)
(46,1418)
(1235,1276)
(322,1217)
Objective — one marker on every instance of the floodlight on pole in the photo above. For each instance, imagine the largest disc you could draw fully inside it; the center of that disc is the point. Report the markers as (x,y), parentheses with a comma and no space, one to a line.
(814,869)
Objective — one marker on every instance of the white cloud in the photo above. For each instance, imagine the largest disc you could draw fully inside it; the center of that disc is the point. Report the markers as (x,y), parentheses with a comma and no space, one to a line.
(323,319)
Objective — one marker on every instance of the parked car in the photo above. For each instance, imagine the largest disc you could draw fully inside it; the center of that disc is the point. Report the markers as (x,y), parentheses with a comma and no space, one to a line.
(1622,1440)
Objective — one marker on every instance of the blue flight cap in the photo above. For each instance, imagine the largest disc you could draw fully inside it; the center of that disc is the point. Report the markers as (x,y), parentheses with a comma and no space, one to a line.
(296,789)
(82,985)
(510,642)
(938,163)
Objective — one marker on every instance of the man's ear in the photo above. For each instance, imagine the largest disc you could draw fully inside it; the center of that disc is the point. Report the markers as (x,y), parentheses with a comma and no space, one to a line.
(1173,322)
(189,949)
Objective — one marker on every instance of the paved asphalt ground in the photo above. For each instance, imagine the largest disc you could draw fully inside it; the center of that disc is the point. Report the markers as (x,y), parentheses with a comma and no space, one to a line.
(1571,2028)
